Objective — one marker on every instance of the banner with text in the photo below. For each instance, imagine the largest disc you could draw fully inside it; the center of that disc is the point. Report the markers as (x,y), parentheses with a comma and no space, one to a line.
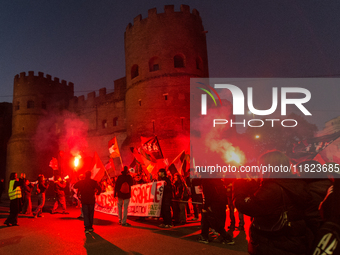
(146,200)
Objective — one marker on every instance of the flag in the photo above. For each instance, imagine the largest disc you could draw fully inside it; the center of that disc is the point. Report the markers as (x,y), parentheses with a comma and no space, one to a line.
(181,163)
(144,159)
(172,169)
(151,146)
(137,155)
(137,166)
(309,148)
(98,169)
(113,148)
(110,165)
(336,159)
(54,163)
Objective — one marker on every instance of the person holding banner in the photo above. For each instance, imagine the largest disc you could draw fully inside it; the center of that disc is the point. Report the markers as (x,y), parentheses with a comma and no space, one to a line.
(123,191)
(87,189)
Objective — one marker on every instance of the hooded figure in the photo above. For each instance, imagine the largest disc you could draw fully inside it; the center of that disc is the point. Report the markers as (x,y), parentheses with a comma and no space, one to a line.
(280,211)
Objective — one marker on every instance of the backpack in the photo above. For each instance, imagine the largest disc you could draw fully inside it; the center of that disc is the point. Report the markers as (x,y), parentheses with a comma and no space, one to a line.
(125,188)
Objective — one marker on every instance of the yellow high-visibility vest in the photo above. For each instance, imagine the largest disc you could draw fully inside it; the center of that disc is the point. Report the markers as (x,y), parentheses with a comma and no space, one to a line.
(13,194)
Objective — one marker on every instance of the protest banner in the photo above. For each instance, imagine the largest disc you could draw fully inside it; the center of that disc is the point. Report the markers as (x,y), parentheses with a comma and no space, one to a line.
(145,201)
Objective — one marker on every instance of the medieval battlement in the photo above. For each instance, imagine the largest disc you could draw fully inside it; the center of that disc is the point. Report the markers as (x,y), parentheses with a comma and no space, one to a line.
(168,10)
(31,78)
(93,100)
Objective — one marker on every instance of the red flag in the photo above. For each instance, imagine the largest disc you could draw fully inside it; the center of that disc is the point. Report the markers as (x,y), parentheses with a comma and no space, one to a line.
(110,165)
(113,148)
(98,169)
(151,146)
(54,163)
(178,162)
(144,159)
(320,159)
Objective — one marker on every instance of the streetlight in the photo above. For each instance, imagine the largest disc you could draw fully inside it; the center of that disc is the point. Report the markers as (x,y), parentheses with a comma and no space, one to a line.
(257,136)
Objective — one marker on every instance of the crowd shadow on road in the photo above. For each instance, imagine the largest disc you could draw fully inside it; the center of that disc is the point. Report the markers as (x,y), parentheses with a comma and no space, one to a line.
(96,245)
(101,222)
(97,222)
(192,231)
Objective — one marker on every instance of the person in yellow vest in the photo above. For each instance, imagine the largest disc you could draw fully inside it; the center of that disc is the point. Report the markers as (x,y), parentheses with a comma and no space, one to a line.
(14,193)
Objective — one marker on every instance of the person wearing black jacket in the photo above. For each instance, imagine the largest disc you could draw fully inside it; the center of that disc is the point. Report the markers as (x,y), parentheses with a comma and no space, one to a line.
(328,236)
(178,206)
(166,199)
(196,196)
(87,189)
(282,210)
(214,210)
(123,192)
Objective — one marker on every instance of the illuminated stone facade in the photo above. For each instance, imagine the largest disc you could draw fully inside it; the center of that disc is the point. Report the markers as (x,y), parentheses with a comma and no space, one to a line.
(162,53)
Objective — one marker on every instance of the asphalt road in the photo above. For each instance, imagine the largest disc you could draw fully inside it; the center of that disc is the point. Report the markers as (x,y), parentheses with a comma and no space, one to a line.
(64,234)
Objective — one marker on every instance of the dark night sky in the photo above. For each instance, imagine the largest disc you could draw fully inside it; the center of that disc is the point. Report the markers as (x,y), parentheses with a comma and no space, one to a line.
(83,41)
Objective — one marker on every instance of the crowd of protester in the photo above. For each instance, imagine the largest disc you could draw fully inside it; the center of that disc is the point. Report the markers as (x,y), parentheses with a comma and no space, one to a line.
(288,215)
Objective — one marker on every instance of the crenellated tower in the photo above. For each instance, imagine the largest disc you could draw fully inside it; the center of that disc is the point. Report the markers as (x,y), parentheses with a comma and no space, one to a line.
(162,53)
(34,98)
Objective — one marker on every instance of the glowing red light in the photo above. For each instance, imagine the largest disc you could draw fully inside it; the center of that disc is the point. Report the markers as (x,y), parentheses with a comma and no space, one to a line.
(76,161)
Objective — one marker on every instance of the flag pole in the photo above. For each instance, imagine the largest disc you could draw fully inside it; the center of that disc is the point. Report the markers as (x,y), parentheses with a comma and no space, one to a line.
(121,162)
(177,157)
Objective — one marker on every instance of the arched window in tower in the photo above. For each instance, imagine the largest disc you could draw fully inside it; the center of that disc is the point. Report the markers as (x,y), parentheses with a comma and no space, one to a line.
(43,105)
(178,61)
(115,121)
(104,124)
(134,71)
(30,104)
(199,63)
(154,64)
(17,105)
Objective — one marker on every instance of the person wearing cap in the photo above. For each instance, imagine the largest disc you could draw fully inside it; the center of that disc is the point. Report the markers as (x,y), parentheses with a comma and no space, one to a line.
(123,192)
(166,200)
